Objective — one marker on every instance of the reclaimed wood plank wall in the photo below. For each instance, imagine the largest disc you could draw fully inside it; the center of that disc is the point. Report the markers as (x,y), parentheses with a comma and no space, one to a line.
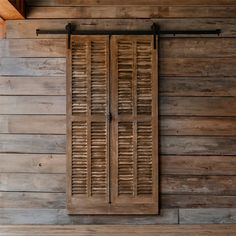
(197,110)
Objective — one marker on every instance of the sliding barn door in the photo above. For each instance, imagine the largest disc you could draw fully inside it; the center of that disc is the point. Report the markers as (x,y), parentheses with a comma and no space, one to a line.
(88,125)
(134,125)
(112,131)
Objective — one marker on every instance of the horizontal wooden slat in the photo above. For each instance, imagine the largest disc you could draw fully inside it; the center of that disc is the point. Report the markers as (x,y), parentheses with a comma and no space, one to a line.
(32,66)
(17,143)
(197,201)
(32,182)
(170,145)
(197,86)
(26,29)
(58,200)
(198,67)
(202,126)
(169,125)
(198,165)
(130,12)
(171,165)
(32,105)
(28,124)
(105,230)
(170,184)
(191,106)
(197,47)
(207,216)
(169,47)
(60,216)
(33,48)
(215,185)
(32,85)
(198,106)
(32,200)
(32,163)
(189,145)
(169,67)
(55,3)
(169,86)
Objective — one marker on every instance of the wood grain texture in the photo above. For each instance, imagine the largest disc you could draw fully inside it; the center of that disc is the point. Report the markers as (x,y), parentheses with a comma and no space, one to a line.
(194,145)
(197,201)
(33,48)
(32,163)
(169,47)
(33,105)
(17,85)
(207,216)
(197,67)
(215,185)
(198,165)
(9,11)
(197,126)
(198,86)
(2,29)
(17,143)
(26,29)
(60,216)
(32,182)
(32,66)
(32,200)
(125,12)
(58,200)
(29,124)
(198,106)
(55,3)
(95,230)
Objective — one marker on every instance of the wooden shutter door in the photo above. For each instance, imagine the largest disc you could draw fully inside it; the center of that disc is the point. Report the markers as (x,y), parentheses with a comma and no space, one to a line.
(88,125)
(134,104)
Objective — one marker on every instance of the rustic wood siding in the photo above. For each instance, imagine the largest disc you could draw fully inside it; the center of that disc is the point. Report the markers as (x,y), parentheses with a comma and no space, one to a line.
(197,111)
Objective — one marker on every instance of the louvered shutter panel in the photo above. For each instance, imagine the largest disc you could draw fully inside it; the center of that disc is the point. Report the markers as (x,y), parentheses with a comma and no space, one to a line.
(88,125)
(134,100)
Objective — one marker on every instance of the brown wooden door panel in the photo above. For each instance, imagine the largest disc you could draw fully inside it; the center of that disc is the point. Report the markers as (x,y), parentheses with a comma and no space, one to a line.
(88,125)
(112,160)
(134,124)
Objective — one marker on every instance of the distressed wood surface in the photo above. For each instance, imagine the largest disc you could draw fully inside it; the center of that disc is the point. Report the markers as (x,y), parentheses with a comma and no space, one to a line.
(9,11)
(169,125)
(170,145)
(60,216)
(168,67)
(173,184)
(169,47)
(169,86)
(170,165)
(197,201)
(94,230)
(32,163)
(130,2)
(18,143)
(58,200)
(194,145)
(198,165)
(29,124)
(32,66)
(215,185)
(198,106)
(125,12)
(207,216)
(2,29)
(202,126)
(17,85)
(32,105)
(26,29)
(198,86)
